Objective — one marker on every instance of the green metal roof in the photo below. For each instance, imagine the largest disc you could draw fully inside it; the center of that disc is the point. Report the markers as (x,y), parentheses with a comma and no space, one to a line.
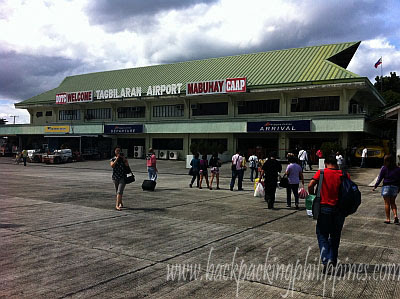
(265,69)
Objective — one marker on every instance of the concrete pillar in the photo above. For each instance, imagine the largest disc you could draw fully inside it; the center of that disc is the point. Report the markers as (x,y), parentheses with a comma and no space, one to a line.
(283,145)
(231,107)
(398,137)
(344,140)
(148,112)
(21,145)
(231,144)
(114,144)
(147,143)
(283,105)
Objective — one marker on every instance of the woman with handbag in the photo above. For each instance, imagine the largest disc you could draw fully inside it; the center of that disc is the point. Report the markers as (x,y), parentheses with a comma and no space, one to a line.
(119,164)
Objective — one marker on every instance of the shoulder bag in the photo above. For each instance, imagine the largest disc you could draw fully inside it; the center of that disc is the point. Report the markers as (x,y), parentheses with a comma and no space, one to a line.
(316,207)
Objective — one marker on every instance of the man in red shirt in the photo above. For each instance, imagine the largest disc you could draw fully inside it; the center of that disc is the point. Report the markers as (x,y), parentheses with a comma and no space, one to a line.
(330,221)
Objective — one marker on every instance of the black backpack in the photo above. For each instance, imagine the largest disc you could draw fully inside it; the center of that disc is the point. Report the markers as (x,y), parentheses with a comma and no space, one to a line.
(349,196)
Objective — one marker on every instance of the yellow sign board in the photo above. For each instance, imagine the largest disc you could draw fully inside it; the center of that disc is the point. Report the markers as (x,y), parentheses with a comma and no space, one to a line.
(56,129)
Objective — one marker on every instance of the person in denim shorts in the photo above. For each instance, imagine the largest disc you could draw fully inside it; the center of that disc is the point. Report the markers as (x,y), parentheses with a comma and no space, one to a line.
(390,174)
(215,163)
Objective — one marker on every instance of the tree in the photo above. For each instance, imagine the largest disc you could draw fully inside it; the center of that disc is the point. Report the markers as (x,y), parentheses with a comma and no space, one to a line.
(389,88)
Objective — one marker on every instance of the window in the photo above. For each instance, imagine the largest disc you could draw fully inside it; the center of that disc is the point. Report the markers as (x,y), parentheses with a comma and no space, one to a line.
(209,146)
(328,103)
(168,143)
(131,112)
(168,111)
(69,115)
(101,113)
(210,109)
(256,107)
(49,113)
(39,114)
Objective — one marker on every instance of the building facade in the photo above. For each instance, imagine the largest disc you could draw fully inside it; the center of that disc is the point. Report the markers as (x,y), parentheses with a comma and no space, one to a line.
(270,101)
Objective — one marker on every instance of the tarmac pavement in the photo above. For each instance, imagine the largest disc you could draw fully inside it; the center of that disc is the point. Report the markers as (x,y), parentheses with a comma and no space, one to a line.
(60,237)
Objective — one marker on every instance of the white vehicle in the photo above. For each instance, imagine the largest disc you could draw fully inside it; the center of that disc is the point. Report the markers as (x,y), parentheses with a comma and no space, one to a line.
(58,156)
(35,155)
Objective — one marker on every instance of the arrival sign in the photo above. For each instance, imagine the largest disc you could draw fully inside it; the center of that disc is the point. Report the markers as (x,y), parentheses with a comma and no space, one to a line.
(279,126)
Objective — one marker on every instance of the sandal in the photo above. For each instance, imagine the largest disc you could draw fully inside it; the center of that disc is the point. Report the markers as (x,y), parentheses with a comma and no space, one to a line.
(118,208)
(386,222)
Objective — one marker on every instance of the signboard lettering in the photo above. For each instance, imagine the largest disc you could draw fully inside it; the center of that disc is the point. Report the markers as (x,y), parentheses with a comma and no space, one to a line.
(74,97)
(56,129)
(123,129)
(280,126)
(216,86)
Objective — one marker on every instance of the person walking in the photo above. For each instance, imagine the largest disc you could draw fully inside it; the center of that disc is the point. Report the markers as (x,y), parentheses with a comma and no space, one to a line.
(244,165)
(195,163)
(18,158)
(270,172)
(118,164)
(151,163)
(390,174)
(364,155)
(339,160)
(294,173)
(303,159)
(24,156)
(309,159)
(253,160)
(204,171)
(330,221)
(237,172)
(215,163)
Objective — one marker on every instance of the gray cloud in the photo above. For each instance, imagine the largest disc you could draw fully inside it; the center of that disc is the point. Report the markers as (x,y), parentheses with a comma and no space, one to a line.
(136,15)
(23,76)
(324,24)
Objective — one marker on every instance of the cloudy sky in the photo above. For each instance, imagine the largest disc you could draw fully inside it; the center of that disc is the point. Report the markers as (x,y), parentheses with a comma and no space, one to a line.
(43,41)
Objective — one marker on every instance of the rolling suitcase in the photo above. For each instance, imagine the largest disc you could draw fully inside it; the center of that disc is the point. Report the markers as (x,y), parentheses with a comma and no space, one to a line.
(149,185)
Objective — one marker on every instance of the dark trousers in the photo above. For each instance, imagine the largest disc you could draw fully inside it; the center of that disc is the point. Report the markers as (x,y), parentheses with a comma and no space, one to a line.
(329,229)
(295,189)
(363,163)
(253,169)
(237,174)
(270,190)
(24,158)
(196,175)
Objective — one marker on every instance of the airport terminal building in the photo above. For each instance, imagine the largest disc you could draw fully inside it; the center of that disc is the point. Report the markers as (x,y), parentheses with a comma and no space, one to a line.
(276,100)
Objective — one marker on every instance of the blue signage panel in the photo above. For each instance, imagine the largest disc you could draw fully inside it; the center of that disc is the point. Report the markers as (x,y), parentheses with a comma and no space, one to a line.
(279,126)
(123,129)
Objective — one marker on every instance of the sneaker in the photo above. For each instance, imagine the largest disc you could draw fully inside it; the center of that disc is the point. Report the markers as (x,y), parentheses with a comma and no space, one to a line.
(231,188)
(396,220)
(190,185)
(288,206)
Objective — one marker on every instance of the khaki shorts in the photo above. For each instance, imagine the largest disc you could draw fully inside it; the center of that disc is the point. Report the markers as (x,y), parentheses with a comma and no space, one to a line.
(119,186)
